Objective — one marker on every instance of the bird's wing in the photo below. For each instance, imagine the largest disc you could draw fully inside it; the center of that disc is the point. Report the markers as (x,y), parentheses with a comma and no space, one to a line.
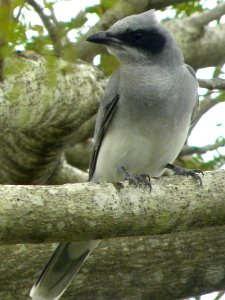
(195,110)
(104,116)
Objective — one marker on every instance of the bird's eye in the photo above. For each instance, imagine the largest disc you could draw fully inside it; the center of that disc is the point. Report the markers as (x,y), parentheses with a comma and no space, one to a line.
(138,35)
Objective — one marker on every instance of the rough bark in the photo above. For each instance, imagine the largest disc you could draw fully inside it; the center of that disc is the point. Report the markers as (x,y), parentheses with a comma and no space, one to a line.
(42,105)
(100,211)
(171,266)
(79,155)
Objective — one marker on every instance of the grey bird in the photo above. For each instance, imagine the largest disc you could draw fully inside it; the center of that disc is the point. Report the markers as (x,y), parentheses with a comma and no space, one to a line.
(142,124)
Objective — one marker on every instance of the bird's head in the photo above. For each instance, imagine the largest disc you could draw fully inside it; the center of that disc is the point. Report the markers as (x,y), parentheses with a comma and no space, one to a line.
(138,38)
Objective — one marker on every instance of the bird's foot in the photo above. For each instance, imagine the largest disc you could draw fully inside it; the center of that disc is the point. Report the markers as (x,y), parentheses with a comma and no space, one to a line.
(142,180)
(186,172)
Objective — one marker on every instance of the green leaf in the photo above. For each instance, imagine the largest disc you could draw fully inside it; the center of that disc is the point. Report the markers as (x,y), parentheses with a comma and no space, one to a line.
(38,28)
(107,4)
(95,9)
(188,8)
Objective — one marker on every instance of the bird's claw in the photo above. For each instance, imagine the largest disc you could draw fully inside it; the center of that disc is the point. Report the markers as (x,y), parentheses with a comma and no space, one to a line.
(186,172)
(142,180)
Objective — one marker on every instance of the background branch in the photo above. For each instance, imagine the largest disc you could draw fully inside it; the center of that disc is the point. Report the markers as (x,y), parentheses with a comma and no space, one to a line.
(190,150)
(207,16)
(212,84)
(41,108)
(205,105)
(171,266)
(50,27)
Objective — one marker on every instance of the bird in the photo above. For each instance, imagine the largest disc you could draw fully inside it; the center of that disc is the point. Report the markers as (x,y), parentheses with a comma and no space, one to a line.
(142,123)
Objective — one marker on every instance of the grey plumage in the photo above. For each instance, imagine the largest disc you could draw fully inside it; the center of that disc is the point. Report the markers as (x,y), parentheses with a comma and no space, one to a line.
(142,122)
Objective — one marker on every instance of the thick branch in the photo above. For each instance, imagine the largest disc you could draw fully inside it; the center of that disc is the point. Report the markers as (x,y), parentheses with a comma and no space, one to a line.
(91,210)
(68,174)
(201,47)
(42,107)
(158,268)
(79,155)
(84,132)
(207,16)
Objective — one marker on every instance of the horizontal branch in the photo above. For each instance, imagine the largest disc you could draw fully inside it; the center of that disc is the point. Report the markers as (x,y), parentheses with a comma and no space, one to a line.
(90,211)
(171,266)
(212,84)
(190,150)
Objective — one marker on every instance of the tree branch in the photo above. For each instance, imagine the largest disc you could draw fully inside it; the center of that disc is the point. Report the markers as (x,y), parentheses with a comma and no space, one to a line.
(52,30)
(205,105)
(170,266)
(207,16)
(41,108)
(68,174)
(92,210)
(84,132)
(190,150)
(212,84)
(79,154)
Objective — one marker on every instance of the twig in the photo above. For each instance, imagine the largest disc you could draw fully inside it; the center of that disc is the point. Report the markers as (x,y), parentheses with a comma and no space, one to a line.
(206,105)
(16,18)
(189,150)
(211,84)
(219,295)
(56,40)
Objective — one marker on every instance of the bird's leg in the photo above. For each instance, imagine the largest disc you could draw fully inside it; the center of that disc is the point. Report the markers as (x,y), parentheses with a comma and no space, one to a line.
(138,181)
(186,172)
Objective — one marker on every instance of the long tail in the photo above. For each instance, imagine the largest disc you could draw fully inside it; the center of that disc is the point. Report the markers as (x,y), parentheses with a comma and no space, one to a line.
(61,268)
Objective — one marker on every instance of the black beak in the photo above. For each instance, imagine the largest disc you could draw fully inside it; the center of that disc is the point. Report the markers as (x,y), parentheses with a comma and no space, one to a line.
(102,37)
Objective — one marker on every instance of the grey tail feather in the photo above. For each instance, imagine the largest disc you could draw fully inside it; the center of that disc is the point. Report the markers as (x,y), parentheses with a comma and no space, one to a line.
(61,268)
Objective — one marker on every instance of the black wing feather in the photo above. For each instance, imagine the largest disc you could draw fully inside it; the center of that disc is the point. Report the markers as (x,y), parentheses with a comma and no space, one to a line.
(105,114)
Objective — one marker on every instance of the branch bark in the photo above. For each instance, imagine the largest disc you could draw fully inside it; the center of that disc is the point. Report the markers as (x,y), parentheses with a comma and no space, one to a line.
(212,84)
(190,150)
(90,211)
(171,266)
(43,104)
